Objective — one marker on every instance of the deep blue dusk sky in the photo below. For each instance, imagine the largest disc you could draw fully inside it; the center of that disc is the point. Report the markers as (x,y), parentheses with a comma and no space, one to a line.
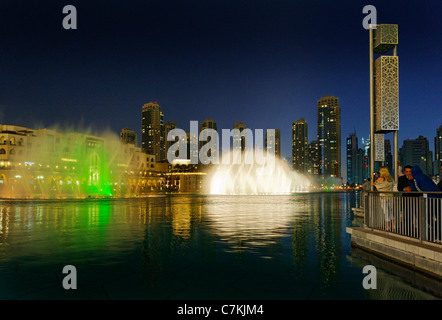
(264,63)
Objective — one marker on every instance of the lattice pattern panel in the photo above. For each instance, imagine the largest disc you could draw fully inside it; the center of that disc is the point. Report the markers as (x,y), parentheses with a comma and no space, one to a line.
(385,37)
(387,94)
(379,147)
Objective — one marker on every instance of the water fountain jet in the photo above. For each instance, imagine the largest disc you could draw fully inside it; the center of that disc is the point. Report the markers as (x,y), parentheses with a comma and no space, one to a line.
(60,164)
(271,176)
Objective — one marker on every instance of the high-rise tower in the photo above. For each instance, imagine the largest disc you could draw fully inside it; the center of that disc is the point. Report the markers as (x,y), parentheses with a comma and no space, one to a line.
(241,138)
(152,131)
(438,150)
(274,143)
(416,152)
(206,138)
(168,126)
(355,160)
(300,145)
(329,136)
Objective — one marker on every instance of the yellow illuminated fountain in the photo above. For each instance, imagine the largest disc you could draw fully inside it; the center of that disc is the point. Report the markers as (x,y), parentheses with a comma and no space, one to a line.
(255,172)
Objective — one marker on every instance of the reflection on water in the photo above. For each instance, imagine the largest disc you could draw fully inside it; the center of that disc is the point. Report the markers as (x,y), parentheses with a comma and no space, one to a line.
(249,222)
(285,247)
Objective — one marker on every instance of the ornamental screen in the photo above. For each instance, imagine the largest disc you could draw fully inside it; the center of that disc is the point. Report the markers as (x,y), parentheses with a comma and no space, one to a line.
(387,94)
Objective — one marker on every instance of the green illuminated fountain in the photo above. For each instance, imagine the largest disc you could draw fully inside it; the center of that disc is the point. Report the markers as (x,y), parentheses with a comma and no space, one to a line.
(48,164)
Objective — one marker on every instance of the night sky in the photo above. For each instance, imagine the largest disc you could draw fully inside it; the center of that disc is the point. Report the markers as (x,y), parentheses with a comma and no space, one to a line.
(264,63)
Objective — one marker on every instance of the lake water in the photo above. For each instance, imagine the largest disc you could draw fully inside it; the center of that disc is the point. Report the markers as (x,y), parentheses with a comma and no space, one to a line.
(194,247)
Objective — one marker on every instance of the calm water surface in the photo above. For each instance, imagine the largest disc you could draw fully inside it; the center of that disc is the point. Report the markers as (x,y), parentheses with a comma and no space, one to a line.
(194,247)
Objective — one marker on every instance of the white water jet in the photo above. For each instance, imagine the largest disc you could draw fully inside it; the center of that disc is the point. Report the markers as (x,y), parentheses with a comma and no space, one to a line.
(271,176)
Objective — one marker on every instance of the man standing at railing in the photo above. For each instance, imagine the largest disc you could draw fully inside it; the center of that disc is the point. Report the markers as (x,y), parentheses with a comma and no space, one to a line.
(439,185)
(406,184)
(406,181)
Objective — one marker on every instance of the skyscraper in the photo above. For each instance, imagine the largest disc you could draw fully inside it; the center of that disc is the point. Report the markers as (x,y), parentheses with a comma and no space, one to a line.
(352,149)
(416,152)
(388,156)
(205,138)
(208,124)
(242,135)
(355,160)
(438,151)
(300,145)
(329,136)
(313,158)
(366,158)
(273,136)
(170,125)
(152,131)
(192,145)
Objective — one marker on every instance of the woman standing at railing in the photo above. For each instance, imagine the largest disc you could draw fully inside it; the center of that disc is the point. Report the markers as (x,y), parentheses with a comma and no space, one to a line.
(383,184)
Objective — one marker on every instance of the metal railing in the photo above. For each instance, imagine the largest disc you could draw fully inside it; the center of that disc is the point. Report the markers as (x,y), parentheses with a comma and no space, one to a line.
(361,200)
(412,214)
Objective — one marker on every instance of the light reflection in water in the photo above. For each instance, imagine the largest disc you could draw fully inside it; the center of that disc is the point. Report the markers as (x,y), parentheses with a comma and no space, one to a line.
(4,224)
(249,221)
(302,237)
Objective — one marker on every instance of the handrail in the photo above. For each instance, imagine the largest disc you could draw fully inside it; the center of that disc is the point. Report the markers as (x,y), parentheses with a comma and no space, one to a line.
(412,214)
(406,192)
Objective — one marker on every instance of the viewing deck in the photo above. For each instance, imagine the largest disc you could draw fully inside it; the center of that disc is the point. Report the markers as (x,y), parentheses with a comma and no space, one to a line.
(402,227)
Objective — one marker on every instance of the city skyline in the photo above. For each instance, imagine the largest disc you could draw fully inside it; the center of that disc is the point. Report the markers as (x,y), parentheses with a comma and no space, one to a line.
(306,156)
(221,61)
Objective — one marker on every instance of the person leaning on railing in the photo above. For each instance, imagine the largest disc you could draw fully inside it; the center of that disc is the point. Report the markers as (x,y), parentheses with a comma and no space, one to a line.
(423,183)
(383,184)
(439,184)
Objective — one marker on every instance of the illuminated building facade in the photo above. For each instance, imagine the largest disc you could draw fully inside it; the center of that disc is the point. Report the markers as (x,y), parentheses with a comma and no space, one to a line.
(128,136)
(329,136)
(205,138)
(241,137)
(183,176)
(152,131)
(168,126)
(437,152)
(313,158)
(45,163)
(355,160)
(274,143)
(416,152)
(300,145)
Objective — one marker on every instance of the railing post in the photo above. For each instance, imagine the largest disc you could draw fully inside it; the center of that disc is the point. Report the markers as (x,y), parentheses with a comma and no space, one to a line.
(371,199)
(422,218)
(366,210)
